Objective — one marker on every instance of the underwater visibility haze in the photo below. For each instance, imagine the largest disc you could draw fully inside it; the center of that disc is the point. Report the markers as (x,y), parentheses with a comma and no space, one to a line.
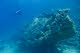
(39,26)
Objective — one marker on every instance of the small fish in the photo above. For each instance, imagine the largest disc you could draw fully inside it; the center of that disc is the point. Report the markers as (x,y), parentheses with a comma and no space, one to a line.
(19,12)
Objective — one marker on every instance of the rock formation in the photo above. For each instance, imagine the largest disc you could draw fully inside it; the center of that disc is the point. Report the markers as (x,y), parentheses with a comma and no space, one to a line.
(44,33)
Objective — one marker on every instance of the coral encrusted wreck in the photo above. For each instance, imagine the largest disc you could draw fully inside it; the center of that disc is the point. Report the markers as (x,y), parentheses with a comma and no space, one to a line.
(44,33)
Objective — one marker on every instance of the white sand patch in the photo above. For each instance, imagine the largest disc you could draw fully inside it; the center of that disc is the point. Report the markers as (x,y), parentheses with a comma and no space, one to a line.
(9,49)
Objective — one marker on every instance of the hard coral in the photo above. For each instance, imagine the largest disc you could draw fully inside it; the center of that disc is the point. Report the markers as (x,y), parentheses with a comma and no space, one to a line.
(49,31)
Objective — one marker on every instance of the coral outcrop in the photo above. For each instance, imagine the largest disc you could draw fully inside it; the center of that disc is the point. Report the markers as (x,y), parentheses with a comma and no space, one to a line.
(44,33)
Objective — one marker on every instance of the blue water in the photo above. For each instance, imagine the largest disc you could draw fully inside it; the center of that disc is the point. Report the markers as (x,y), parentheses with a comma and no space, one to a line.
(12,23)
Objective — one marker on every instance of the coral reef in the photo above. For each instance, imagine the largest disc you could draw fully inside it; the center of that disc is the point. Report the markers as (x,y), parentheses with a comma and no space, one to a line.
(71,45)
(44,33)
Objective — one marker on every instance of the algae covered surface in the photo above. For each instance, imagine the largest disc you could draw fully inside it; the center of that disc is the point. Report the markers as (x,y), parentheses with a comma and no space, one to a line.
(47,31)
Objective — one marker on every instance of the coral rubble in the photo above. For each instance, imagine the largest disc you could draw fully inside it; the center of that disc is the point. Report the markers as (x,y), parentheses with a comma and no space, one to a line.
(44,33)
